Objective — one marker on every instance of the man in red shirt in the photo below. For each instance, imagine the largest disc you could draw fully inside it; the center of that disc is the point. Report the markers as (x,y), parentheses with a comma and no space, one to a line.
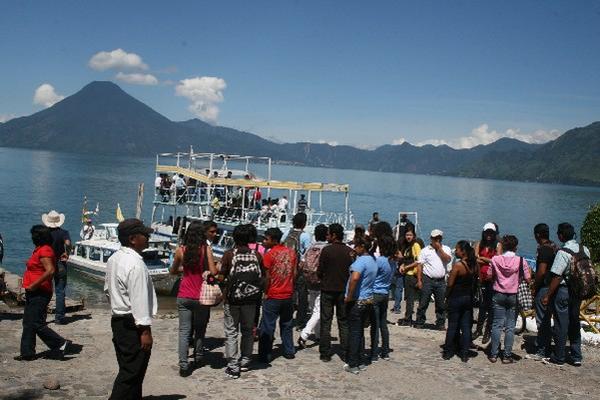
(280,267)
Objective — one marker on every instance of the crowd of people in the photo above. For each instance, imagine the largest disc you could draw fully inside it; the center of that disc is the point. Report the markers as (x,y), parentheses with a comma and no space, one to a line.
(289,279)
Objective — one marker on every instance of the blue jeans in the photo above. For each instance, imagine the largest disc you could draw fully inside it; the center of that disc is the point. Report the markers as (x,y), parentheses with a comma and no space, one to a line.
(437,287)
(543,316)
(566,324)
(357,316)
(193,319)
(398,284)
(60,284)
(273,309)
(505,313)
(460,320)
(379,324)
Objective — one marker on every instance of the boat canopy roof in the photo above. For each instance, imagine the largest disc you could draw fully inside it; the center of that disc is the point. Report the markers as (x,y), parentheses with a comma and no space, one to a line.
(253,182)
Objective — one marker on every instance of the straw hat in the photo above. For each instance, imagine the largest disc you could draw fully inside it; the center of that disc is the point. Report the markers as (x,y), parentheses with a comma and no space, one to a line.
(53,219)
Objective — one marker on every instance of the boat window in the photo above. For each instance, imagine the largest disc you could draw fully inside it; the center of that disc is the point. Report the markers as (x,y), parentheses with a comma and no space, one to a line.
(94,254)
(80,251)
(106,253)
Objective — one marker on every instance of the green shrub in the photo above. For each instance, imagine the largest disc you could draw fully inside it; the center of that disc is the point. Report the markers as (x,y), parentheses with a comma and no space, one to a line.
(590,232)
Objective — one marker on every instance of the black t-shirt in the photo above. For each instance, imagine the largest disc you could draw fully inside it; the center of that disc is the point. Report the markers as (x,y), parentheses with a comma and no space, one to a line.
(59,236)
(334,267)
(546,254)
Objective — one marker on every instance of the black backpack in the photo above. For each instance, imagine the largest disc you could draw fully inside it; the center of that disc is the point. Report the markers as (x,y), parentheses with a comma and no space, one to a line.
(245,281)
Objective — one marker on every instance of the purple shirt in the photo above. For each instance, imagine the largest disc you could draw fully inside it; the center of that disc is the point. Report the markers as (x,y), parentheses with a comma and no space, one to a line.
(505,271)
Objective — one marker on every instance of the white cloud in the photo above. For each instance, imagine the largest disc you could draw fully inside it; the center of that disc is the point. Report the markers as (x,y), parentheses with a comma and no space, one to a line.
(482,135)
(398,141)
(331,143)
(369,146)
(205,93)
(46,96)
(117,59)
(6,117)
(137,79)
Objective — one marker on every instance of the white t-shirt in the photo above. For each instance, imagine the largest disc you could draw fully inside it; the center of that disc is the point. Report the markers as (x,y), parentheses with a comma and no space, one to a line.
(283,202)
(433,266)
(157,182)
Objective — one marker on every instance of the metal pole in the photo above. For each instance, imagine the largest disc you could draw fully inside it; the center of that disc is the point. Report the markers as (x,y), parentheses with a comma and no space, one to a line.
(269,179)
(320,200)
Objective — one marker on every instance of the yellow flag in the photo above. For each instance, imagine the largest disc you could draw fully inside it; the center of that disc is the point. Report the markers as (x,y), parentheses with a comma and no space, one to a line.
(120,216)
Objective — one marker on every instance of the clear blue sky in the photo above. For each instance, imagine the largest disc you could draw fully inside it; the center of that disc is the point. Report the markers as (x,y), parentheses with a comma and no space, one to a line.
(352,72)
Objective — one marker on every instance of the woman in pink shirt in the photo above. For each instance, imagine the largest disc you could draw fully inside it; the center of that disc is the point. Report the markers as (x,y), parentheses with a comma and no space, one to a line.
(193,259)
(505,276)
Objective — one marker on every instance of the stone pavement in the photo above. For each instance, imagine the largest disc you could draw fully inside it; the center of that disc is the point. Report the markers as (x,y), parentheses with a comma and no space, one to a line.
(416,370)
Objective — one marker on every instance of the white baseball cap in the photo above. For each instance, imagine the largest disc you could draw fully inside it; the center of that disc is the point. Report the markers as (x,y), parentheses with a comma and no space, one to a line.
(489,226)
(436,233)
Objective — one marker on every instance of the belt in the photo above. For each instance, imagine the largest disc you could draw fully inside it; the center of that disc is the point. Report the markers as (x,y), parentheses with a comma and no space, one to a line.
(436,279)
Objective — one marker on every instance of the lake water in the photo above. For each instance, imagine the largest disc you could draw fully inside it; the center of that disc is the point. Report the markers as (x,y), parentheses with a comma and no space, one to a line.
(34,182)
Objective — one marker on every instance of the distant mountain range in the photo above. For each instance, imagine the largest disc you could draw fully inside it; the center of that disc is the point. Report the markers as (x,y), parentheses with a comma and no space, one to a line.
(102,118)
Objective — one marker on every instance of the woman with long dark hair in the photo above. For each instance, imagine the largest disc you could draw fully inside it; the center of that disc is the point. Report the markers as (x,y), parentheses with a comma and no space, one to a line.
(386,265)
(193,259)
(485,249)
(459,300)
(37,282)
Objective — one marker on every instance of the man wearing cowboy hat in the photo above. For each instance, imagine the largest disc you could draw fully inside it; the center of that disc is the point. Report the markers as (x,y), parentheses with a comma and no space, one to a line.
(61,244)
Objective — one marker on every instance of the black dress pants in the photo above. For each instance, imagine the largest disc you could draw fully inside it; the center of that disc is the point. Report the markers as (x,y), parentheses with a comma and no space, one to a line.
(133,361)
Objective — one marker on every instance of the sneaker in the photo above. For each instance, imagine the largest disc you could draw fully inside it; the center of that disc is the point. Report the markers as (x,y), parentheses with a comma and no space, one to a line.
(231,373)
(385,357)
(324,358)
(508,360)
(535,356)
(404,322)
(577,363)
(446,355)
(552,360)
(419,326)
(354,370)
(374,359)
(440,327)
(492,359)
(301,343)
(362,367)
(289,356)
(185,372)
(486,337)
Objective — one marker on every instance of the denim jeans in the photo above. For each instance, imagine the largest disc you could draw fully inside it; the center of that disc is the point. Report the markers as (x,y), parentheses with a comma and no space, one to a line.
(379,324)
(329,301)
(505,306)
(272,310)
(485,314)
(238,318)
(60,284)
(357,316)
(543,317)
(460,320)
(437,287)
(411,294)
(193,318)
(398,285)
(34,323)
(566,324)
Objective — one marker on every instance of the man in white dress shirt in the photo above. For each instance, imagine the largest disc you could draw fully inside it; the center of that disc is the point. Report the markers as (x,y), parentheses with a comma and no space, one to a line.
(132,299)
(431,279)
